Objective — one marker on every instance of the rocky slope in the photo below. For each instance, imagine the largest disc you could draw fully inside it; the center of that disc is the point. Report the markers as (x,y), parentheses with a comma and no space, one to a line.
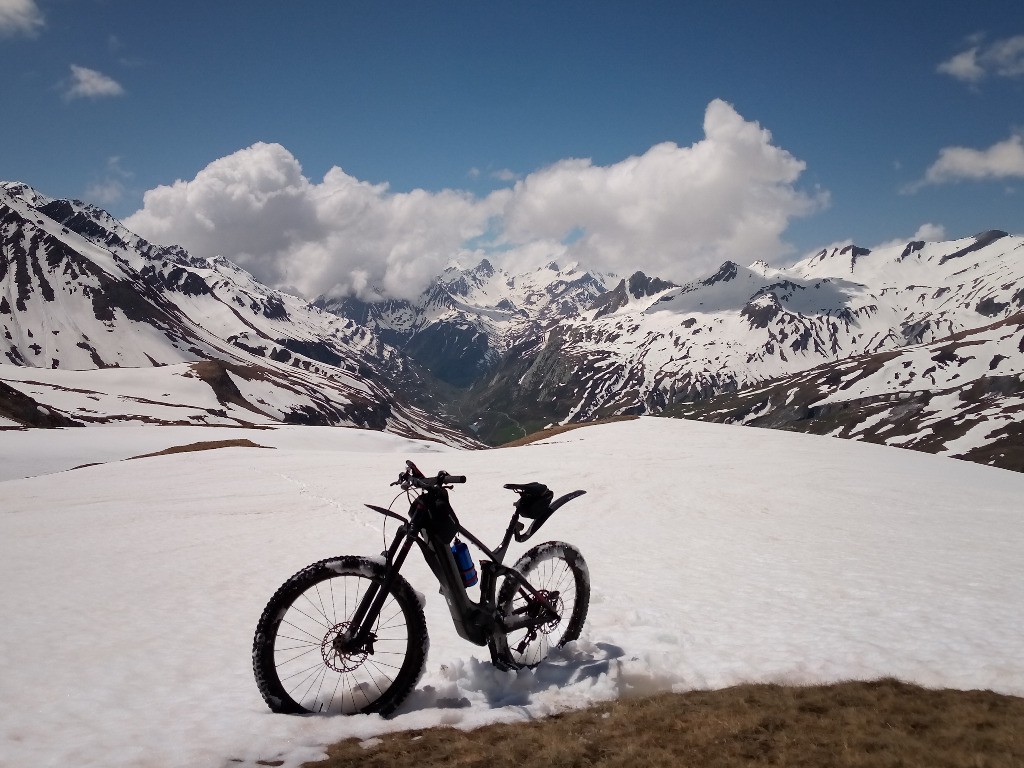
(80,295)
(961,396)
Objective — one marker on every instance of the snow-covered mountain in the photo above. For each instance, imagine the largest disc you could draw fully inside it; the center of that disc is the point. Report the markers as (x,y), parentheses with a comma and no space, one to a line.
(745,325)
(962,396)
(645,345)
(469,320)
(101,325)
(98,324)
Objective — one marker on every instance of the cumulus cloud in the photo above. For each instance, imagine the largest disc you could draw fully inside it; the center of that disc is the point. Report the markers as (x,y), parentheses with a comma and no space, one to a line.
(673,211)
(1003,160)
(337,237)
(89,84)
(1002,58)
(20,17)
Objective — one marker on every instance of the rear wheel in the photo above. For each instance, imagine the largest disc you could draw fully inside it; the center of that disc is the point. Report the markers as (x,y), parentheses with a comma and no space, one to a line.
(301,661)
(559,574)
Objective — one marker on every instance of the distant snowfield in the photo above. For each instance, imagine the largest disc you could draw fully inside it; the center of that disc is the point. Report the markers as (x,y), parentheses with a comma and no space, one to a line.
(718,555)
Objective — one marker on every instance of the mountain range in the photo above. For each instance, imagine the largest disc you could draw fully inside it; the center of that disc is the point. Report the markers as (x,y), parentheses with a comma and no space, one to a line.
(919,344)
(743,344)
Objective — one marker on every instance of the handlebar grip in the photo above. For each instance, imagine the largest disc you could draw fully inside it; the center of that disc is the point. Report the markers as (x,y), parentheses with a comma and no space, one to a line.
(455,478)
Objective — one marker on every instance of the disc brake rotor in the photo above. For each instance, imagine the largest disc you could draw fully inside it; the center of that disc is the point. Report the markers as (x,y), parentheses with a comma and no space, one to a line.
(334,657)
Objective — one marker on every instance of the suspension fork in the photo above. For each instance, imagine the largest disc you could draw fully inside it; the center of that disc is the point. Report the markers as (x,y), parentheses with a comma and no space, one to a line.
(358,634)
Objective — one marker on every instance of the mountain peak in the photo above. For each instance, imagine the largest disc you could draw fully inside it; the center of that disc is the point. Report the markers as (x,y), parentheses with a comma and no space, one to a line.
(725,273)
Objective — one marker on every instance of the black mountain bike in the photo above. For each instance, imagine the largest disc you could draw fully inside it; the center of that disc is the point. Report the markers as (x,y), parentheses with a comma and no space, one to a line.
(347,634)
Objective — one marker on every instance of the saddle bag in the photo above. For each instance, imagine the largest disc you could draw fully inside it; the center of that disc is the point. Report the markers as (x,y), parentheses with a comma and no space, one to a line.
(534,501)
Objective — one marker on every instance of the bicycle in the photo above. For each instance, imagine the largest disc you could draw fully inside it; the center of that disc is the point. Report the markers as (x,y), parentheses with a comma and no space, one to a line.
(348,634)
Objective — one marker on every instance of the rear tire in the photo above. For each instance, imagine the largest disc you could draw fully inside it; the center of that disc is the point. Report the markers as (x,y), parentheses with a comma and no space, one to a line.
(558,571)
(297,666)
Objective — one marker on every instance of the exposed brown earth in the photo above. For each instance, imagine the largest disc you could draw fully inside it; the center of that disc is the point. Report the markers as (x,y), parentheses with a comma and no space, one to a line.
(206,445)
(861,724)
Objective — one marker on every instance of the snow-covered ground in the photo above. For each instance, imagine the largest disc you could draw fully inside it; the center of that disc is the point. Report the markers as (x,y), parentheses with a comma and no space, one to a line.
(718,554)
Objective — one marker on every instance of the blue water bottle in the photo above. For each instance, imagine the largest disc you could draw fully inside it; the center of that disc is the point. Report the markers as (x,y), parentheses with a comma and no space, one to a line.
(465,562)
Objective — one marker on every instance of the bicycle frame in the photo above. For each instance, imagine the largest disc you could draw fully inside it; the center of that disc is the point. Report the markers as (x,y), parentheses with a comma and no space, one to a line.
(432,524)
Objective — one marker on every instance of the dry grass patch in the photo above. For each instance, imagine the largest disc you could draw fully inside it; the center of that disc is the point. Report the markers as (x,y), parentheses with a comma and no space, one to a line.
(858,724)
(552,431)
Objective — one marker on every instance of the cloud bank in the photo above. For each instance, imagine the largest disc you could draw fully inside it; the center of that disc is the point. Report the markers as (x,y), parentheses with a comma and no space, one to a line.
(20,17)
(672,211)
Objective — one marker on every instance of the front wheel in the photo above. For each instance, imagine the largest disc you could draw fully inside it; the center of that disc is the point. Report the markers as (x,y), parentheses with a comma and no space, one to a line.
(298,655)
(559,573)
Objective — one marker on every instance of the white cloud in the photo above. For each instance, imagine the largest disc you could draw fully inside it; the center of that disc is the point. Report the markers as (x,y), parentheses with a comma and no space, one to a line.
(20,17)
(256,208)
(90,84)
(931,233)
(1002,58)
(964,66)
(111,188)
(673,211)
(928,232)
(504,175)
(1002,160)
(105,192)
(1006,57)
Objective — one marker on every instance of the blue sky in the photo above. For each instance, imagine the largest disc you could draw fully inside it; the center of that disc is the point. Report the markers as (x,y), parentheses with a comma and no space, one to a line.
(885,120)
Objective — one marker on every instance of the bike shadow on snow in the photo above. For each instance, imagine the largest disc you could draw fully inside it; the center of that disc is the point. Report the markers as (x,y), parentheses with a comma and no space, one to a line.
(464,682)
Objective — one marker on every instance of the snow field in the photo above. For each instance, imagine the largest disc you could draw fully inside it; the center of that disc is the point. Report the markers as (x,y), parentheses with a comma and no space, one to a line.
(717,554)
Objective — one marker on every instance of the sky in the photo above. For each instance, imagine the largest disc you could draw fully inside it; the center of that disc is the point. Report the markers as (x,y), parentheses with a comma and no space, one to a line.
(378,141)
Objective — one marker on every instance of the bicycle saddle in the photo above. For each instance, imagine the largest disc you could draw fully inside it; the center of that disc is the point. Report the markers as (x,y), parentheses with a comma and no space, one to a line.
(527,489)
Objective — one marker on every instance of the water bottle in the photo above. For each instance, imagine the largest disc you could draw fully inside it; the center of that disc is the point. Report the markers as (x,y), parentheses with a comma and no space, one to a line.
(465,562)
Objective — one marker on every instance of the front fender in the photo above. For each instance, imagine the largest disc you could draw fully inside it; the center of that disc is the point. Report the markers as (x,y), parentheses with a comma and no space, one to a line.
(387,512)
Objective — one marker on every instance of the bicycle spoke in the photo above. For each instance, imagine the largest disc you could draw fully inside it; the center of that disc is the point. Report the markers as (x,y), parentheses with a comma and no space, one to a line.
(314,670)
(294,658)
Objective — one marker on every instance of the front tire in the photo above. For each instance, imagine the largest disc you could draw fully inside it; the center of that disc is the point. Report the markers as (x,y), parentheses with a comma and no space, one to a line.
(295,654)
(558,571)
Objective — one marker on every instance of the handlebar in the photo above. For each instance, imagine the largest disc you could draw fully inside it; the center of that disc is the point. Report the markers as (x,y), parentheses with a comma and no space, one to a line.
(413,478)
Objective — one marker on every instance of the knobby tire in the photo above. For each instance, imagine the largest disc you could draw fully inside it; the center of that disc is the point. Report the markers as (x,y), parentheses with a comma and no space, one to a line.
(299,670)
(552,567)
